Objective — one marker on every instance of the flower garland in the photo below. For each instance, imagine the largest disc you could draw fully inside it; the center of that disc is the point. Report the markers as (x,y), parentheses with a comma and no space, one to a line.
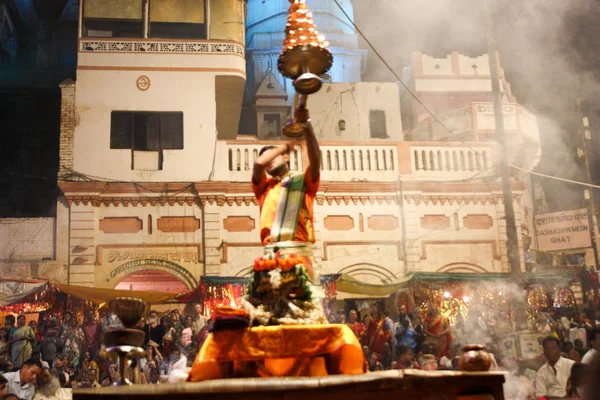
(274,260)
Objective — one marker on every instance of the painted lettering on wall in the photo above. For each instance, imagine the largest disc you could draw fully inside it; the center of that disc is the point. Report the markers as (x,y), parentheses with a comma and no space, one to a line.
(156,264)
(177,256)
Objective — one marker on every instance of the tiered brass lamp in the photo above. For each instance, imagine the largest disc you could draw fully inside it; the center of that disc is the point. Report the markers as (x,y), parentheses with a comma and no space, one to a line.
(304,59)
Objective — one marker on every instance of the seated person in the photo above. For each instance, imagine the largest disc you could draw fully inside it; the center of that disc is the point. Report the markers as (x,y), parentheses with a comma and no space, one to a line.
(551,379)
(428,362)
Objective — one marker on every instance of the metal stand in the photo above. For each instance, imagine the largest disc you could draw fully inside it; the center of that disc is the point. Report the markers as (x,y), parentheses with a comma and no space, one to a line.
(124,354)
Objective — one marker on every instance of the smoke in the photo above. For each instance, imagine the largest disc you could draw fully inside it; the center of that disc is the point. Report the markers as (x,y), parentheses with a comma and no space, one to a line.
(484,319)
(518,387)
(548,49)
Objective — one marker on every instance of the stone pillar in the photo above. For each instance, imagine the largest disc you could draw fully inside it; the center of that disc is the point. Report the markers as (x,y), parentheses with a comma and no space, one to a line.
(212,238)
(502,238)
(67,127)
(412,258)
(82,244)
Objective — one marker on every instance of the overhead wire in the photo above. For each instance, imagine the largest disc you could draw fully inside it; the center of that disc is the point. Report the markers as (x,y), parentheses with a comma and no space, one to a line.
(555,177)
(404,85)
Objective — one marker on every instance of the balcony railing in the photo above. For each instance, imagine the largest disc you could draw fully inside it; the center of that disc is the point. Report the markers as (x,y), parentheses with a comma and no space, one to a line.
(367,161)
(445,161)
(160,46)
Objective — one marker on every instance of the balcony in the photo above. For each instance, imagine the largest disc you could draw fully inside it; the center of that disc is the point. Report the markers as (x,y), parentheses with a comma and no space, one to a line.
(475,122)
(219,56)
(163,36)
(145,46)
(368,162)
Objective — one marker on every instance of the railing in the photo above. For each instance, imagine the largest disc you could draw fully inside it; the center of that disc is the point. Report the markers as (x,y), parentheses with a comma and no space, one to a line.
(120,45)
(240,157)
(339,162)
(450,160)
(373,162)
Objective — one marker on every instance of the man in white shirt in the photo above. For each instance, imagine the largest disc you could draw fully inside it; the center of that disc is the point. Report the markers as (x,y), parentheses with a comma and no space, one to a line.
(551,379)
(594,347)
(21,382)
(178,362)
(198,320)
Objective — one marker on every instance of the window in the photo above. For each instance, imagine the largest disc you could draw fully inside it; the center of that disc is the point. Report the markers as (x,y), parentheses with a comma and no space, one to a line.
(146,131)
(272,125)
(177,19)
(113,18)
(183,19)
(377,124)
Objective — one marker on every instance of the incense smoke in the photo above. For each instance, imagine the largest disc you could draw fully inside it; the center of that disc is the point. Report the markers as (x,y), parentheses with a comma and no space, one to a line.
(547,49)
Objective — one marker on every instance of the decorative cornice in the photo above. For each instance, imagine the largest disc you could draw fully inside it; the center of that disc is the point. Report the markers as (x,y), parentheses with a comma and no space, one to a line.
(164,47)
(234,193)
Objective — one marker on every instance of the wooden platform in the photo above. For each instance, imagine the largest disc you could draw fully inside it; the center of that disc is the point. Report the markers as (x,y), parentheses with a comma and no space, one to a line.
(385,385)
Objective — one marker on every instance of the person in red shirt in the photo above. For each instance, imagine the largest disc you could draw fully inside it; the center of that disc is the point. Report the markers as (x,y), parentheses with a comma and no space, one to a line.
(92,330)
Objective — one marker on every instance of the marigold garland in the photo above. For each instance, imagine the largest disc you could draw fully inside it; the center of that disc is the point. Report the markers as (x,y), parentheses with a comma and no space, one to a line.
(269,262)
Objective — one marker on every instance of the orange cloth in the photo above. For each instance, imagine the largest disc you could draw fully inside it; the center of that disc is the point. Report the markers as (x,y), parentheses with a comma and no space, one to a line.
(228,311)
(267,193)
(287,350)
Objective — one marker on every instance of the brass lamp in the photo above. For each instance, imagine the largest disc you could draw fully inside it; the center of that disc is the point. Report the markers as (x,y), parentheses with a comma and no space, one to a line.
(304,58)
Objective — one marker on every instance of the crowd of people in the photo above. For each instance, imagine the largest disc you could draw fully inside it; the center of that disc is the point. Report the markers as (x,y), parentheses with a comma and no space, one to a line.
(428,341)
(62,352)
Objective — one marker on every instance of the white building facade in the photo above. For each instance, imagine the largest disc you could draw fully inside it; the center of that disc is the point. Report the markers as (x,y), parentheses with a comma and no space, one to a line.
(155,181)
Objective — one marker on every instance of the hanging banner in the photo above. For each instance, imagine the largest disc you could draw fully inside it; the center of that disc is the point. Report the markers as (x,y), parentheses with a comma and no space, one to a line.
(563,230)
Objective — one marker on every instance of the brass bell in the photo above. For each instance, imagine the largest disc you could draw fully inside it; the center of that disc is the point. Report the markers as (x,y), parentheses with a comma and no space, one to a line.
(308,83)
(293,128)
(304,57)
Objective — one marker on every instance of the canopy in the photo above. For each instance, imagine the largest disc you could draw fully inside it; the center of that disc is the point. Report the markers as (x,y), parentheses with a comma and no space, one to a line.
(99,296)
(14,290)
(349,284)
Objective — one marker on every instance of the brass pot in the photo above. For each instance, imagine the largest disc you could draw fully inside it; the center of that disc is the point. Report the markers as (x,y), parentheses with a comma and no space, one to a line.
(124,337)
(128,309)
(475,358)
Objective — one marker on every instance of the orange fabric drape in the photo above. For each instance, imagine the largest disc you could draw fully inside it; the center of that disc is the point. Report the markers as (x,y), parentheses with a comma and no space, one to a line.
(286,350)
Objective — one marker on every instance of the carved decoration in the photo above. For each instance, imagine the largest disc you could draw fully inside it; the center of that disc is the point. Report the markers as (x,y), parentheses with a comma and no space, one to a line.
(383,222)
(148,46)
(434,222)
(478,221)
(178,224)
(338,222)
(120,225)
(143,83)
(239,224)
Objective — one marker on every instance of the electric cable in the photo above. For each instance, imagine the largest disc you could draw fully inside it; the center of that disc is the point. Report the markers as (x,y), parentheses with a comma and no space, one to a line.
(429,111)
(555,177)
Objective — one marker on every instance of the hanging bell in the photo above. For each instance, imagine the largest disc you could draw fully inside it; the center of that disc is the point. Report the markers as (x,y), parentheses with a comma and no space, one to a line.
(308,83)
(293,129)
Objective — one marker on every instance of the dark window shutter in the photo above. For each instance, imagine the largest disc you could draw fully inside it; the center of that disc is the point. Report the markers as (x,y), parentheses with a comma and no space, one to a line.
(140,122)
(377,124)
(172,131)
(120,130)
(153,132)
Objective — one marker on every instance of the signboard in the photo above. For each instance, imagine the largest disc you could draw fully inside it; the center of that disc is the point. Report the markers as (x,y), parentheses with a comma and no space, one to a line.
(563,230)
(116,262)
(531,345)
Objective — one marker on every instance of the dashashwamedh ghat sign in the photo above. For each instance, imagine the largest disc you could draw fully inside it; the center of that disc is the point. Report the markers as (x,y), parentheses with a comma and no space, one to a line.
(563,230)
